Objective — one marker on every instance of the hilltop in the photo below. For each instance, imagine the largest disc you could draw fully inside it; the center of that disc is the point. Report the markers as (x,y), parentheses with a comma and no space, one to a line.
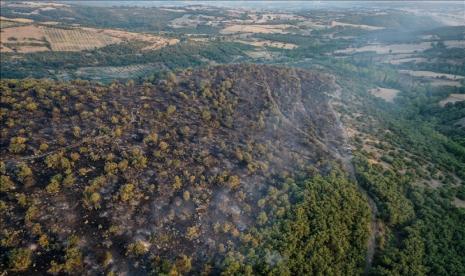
(188,174)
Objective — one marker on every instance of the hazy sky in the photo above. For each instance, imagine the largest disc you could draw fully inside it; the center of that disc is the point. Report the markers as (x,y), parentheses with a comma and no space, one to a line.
(289,5)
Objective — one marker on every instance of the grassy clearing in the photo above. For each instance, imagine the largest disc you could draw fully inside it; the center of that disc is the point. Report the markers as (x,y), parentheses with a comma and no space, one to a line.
(386,94)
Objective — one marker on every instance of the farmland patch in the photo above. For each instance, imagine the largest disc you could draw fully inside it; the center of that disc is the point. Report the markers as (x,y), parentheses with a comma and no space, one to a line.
(76,39)
(459,203)
(386,94)
(116,72)
(266,29)
(430,74)
(268,43)
(388,48)
(364,27)
(452,98)
(39,38)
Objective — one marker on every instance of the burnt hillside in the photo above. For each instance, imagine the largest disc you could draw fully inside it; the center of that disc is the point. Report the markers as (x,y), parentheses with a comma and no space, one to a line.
(126,177)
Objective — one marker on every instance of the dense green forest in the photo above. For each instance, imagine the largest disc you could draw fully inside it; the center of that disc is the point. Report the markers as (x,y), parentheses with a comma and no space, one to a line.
(418,144)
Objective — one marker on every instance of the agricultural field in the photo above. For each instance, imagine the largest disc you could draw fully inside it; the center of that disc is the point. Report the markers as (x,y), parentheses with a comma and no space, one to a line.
(364,27)
(388,49)
(269,43)
(76,39)
(7,23)
(452,98)
(153,42)
(116,72)
(23,39)
(399,60)
(44,37)
(384,93)
(36,38)
(16,20)
(429,74)
(434,78)
(265,29)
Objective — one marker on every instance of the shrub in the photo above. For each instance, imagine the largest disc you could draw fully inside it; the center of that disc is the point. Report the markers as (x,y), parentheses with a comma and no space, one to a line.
(127,192)
(234,182)
(193,232)
(171,109)
(20,259)
(6,184)
(137,248)
(17,144)
(23,171)
(262,218)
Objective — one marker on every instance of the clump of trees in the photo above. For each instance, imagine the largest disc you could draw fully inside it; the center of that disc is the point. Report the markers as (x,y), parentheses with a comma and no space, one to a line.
(20,259)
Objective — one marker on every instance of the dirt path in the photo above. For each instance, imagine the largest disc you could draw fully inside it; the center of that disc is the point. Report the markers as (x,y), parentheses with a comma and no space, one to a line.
(286,120)
(374,228)
(346,158)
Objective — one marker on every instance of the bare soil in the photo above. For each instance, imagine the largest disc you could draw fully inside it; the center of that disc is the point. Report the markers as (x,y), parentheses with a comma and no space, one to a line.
(38,38)
(266,29)
(453,98)
(386,94)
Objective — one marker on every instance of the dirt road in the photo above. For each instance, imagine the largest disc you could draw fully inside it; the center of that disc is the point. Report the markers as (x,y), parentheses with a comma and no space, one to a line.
(346,159)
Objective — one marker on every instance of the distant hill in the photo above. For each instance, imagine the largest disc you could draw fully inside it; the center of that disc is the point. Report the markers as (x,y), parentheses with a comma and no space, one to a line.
(394,20)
